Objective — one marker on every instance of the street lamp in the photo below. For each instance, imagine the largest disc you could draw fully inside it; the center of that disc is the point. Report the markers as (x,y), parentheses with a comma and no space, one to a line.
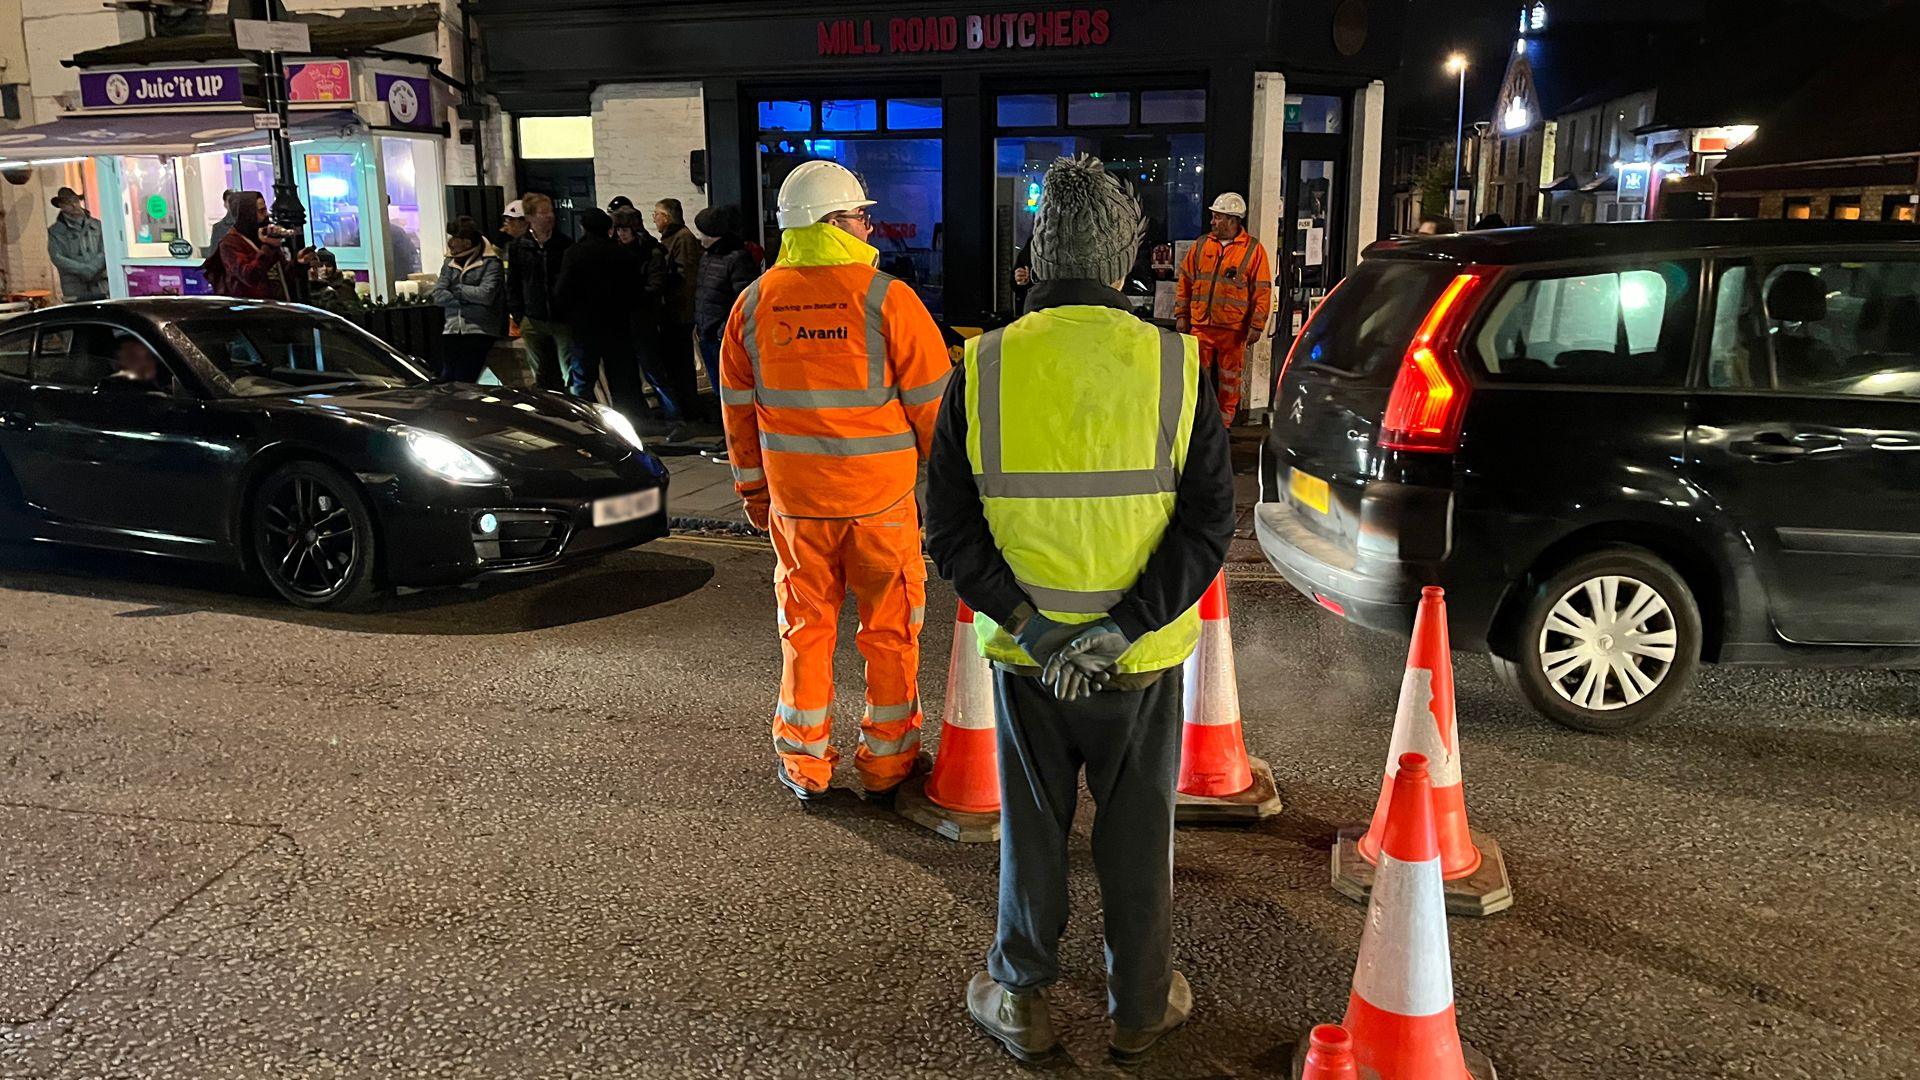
(1457,65)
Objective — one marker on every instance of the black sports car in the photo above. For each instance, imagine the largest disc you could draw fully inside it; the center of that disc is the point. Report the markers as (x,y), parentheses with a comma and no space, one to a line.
(281,438)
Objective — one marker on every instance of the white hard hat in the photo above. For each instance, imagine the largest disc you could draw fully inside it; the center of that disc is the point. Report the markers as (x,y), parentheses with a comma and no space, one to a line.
(816,189)
(1229,203)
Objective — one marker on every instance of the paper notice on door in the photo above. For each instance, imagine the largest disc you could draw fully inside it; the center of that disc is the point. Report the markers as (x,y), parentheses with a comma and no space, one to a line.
(1163,294)
(1316,246)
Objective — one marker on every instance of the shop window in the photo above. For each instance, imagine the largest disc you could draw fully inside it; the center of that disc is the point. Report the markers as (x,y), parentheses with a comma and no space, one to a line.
(153,201)
(415,225)
(786,116)
(850,115)
(1173,106)
(1028,110)
(1896,208)
(333,192)
(1318,113)
(902,175)
(914,114)
(1797,209)
(1099,109)
(1844,209)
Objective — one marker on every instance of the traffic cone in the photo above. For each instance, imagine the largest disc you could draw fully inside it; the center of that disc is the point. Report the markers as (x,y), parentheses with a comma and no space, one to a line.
(1329,1055)
(1471,863)
(1218,781)
(960,799)
(1400,1012)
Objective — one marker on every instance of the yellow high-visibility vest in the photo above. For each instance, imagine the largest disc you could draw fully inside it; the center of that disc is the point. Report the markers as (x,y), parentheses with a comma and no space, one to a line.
(1078,422)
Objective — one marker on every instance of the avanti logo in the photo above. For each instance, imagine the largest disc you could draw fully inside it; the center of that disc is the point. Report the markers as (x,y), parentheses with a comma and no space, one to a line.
(785,333)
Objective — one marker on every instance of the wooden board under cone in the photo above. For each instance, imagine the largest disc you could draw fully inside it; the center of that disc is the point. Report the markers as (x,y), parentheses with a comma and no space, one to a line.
(912,803)
(1262,800)
(1486,891)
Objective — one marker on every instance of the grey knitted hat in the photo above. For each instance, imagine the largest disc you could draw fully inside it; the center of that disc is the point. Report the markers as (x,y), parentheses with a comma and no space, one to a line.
(1089,225)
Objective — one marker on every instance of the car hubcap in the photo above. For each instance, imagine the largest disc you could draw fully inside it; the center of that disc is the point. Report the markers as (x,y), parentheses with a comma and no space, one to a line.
(1608,643)
(311,546)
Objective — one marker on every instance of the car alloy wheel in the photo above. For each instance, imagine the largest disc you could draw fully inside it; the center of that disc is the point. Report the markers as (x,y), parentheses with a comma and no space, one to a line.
(1608,642)
(312,545)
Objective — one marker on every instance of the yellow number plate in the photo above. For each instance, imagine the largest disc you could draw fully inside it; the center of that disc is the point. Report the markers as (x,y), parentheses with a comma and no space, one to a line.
(1308,490)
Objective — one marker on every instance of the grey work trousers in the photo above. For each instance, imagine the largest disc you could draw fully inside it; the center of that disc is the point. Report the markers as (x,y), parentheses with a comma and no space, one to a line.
(1129,743)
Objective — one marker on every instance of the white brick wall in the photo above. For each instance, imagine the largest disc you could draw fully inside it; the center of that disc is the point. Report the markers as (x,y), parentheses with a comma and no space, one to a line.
(642,134)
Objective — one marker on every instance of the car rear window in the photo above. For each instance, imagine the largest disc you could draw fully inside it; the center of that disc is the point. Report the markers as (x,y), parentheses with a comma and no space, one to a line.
(1363,327)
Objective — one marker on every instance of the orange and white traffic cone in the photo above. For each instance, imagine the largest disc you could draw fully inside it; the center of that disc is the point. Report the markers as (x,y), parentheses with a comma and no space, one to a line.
(960,799)
(1329,1055)
(1218,781)
(1471,863)
(1400,1013)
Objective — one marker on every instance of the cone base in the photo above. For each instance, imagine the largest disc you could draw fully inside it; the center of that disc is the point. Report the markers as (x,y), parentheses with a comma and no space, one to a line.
(1479,1066)
(1486,891)
(912,803)
(1261,800)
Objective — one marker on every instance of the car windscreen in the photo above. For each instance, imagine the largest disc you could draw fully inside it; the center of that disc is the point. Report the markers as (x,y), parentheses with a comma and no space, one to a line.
(286,352)
(1362,328)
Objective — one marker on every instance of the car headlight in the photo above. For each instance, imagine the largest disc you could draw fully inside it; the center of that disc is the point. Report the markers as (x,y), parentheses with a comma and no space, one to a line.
(445,458)
(616,422)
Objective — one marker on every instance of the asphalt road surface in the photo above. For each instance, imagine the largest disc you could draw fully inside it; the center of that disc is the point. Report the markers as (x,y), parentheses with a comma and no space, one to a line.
(533,831)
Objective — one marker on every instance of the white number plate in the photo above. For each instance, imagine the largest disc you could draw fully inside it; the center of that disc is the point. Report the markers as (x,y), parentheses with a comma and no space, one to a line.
(617,509)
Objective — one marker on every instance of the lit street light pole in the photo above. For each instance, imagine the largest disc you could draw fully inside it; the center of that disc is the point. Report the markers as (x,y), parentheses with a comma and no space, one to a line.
(1457,64)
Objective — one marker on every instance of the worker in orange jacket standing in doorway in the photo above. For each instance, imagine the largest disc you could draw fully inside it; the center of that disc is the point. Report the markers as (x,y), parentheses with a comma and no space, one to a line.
(830,377)
(1224,296)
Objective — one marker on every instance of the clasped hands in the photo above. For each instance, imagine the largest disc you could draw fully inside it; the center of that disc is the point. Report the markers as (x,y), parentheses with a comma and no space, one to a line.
(1075,659)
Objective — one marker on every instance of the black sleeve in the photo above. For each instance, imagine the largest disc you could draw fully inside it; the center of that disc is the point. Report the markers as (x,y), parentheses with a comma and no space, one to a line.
(516,270)
(1195,545)
(958,538)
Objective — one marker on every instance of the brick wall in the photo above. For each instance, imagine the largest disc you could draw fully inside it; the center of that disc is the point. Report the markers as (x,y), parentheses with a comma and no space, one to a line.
(642,134)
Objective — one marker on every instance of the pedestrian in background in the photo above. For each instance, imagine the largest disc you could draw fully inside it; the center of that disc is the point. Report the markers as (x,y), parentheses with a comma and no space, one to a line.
(533,269)
(251,262)
(599,280)
(513,226)
(630,231)
(1224,296)
(327,287)
(76,249)
(472,293)
(1080,499)
(726,269)
(225,223)
(826,432)
(676,316)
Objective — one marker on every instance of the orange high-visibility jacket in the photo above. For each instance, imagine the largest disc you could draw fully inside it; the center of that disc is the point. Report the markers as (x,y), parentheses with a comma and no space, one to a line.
(1225,285)
(830,377)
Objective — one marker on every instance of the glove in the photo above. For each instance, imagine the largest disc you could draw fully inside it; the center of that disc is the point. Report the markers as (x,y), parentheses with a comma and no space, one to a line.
(1087,661)
(757,513)
(1041,637)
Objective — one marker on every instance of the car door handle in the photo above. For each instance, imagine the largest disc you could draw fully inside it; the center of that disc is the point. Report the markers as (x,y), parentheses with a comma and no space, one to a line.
(15,421)
(1895,444)
(1770,447)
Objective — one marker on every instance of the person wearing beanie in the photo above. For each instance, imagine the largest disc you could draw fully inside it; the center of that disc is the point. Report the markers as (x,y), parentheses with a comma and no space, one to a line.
(1080,500)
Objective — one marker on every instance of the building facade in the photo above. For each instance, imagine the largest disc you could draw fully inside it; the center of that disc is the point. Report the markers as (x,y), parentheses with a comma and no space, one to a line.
(951,115)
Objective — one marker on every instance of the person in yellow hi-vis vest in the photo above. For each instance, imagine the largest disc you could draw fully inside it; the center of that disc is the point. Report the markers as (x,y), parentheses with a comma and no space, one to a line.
(1080,499)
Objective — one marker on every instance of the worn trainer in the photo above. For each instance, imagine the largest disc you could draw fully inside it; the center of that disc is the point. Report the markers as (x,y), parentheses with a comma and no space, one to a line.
(1131,1044)
(1018,1019)
(800,790)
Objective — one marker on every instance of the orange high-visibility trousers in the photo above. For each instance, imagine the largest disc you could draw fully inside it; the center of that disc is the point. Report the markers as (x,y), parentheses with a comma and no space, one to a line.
(1223,355)
(878,557)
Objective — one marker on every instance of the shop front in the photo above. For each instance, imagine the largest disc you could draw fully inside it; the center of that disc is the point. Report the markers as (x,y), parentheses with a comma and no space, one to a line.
(951,116)
(154,148)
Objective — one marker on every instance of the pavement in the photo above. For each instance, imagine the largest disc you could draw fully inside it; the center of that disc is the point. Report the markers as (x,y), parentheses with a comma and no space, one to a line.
(531,830)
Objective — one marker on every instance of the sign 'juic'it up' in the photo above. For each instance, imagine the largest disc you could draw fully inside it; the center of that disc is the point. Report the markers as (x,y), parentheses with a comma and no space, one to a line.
(1054,29)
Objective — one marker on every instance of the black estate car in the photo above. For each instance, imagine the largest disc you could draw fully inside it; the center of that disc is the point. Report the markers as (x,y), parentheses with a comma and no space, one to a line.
(284,439)
(1622,449)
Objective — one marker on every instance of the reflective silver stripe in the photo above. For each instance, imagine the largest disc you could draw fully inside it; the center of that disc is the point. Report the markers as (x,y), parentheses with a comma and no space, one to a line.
(816,748)
(825,399)
(1078,485)
(886,714)
(905,744)
(930,392)
(1173,383)
(730,396)
(852,446)
(876,330)
(1097,602)
(917,616)
(748,476)
(780,616)
(801,717)
(987,371)
(749,319)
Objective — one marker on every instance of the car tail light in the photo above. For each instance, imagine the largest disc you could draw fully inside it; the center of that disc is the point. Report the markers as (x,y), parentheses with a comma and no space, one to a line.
(1429,398)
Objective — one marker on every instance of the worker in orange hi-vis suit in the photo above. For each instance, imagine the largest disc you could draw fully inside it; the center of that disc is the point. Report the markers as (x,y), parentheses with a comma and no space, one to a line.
(1224,297)
(830,377)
